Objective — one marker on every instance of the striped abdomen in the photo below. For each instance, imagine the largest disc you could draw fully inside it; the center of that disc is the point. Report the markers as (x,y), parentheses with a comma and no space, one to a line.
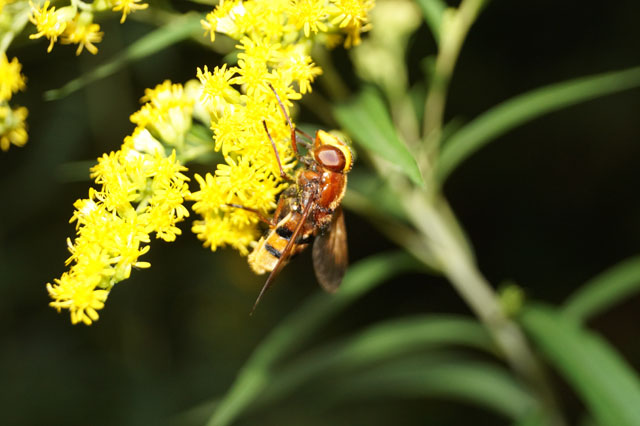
(266,254)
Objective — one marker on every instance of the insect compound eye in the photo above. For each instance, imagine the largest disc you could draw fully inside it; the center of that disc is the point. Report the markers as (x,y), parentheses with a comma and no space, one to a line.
(330,158)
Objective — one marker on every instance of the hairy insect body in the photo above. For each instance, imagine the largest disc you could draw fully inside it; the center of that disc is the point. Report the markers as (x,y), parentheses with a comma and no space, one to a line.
(310,205)
(327,189)
(268,251)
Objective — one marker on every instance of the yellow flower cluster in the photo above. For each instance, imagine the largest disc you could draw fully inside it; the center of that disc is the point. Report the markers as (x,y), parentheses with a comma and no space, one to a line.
(274,44)
(282,18)
(74,24)
(142,186)
(142,190)
(12,120)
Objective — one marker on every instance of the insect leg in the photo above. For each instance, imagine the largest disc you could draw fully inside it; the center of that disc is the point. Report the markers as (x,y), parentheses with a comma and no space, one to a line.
(284,111)
(249,209)
(305,134)
(283,174)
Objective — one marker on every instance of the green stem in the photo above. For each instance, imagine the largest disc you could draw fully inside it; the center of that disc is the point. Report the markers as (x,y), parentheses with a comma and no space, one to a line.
(455,27)
(459,267)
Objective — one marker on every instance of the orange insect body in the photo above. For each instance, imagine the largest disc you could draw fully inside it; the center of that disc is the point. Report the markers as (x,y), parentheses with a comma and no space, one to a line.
(310,211)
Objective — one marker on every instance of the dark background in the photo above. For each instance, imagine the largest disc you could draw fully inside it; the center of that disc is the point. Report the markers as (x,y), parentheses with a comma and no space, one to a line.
(548,205)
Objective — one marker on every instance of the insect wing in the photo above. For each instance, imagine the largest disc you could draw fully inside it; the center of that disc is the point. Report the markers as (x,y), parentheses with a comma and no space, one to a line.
(285,253)
(330,256)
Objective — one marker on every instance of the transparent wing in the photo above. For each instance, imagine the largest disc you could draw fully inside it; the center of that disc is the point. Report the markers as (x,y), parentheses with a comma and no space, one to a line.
(330,258)
(284,257)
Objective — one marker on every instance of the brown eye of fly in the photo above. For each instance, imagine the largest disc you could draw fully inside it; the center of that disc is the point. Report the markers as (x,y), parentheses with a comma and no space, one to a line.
(330,158)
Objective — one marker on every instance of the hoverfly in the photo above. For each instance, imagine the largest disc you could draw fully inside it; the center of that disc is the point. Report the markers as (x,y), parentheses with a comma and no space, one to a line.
(309,210)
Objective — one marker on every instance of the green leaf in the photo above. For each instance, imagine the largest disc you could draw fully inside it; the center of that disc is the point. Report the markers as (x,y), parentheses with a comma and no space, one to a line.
(374,345)
(606,383)
(367,119)
(177,30)
(299,327)
(527,107)
(479,383)
(433,10)
(605,290)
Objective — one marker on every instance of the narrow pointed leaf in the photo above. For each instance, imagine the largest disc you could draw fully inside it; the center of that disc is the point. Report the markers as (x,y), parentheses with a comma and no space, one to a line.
(374,345)
(479,383)
(605,290)
(367,119)
(607,385)
(298,327)
(177,30)
(433,10)
(527,107)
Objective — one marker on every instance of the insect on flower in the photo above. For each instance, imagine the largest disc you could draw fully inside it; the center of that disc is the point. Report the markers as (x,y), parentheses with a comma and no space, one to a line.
(308,210)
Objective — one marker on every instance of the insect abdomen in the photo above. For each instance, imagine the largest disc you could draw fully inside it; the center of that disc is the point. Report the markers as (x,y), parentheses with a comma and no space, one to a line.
(266,254)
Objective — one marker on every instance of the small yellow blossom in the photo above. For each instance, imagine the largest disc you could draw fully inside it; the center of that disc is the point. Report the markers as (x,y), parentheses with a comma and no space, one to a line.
(11,80)
(127,7)
(167,113)
(310,15)
(84,33)
(12,127)
(50,23)
(217,87)
(223,18)
(351,16)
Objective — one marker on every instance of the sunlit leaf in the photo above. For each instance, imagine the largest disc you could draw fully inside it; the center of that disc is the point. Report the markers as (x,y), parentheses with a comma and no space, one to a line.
(177,30)
(605,290)
(527,107)
(607,385)
(367,119)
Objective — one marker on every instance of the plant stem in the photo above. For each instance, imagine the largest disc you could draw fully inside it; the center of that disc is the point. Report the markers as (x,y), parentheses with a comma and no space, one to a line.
(459,267)
(455,26)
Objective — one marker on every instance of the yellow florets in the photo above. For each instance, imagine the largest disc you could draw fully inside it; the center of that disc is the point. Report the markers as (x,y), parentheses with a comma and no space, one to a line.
(83,32)
(142,187)
(142,191)
(11,80)
(167,113)
(50,23)
(13,130)
(127,6)
(310,15)
(73,23)
(273,50)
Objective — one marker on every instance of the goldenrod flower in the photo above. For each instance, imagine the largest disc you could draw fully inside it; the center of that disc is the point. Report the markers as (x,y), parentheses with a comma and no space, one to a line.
(50,23)
(142,186)
(351,16)
(142,190)
(11,80)
(167,113)
(83,32)
(223,18)
(12,127)
(310,15)
(274,45)
(127,6)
